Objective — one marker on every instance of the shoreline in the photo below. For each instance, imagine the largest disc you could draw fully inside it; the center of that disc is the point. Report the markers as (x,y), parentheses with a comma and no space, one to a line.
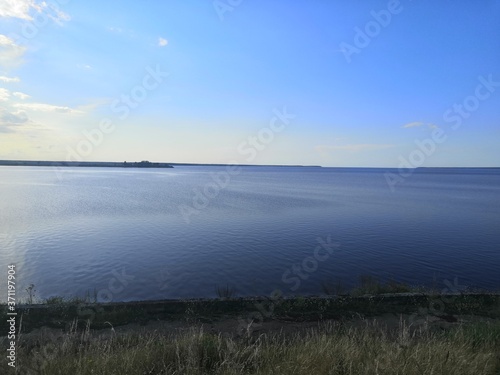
(142,164)
(255,310)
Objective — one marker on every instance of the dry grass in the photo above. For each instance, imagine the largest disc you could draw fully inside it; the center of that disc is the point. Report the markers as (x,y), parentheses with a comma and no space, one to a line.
(331,349)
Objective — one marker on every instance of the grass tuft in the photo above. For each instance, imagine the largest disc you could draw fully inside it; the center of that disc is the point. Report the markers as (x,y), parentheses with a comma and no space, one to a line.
(225,291)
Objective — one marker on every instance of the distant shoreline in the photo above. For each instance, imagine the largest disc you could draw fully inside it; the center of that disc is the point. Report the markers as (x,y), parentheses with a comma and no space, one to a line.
(28,163)
(142,164)
(147,164)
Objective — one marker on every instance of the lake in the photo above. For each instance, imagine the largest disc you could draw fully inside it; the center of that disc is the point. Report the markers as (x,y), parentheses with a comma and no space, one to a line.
(147,234)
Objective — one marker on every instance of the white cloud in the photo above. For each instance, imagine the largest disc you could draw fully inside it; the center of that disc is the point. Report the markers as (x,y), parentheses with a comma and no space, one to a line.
(18,117)
(4,94)
(6,41)
(45,108)
(10,52)
(20,95)
(17,9)
(8,120)
(353,147)
(13,118)
(58,16)
(24,9)
(162,42)
(9,79)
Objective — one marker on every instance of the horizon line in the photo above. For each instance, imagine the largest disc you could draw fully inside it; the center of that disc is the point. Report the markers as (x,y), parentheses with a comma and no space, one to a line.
(6,162)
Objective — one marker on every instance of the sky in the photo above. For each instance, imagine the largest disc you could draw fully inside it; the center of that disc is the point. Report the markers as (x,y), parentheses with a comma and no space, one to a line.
(332,83)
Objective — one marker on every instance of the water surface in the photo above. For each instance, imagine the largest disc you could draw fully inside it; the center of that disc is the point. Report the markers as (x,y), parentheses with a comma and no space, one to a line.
(122,231)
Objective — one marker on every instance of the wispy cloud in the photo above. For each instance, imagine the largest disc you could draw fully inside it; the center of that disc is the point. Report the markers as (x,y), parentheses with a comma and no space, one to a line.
(418,124)
(162,42)
(413,124)
(46,108)
(18,9)
(4,94)
(25,9)
(10,53)
(21,95)
(117,30)
(17,117)
(94,104)
(10,120)
(129,33)
(84,66)
(9,79)
(13,118)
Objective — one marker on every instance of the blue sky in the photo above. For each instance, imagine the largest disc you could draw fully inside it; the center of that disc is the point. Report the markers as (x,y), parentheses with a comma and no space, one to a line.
(362,83)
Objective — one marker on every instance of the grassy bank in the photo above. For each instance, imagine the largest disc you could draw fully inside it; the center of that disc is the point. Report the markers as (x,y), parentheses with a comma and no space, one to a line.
(376,329)
(331,348)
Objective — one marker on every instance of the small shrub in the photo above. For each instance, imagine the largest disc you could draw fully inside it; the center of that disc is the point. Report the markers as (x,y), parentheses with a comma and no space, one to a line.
(31,293)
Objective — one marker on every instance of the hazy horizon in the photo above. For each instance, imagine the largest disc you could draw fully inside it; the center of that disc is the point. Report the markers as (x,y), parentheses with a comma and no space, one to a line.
(252,165)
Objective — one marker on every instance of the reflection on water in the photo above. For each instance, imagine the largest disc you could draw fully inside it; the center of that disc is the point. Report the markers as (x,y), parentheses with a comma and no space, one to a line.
(122,232)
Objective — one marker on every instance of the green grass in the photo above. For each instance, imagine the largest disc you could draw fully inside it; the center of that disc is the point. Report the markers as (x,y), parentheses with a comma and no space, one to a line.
(330,349)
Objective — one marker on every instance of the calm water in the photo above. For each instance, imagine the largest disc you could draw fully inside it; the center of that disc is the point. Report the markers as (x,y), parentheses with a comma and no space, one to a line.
(122,232)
